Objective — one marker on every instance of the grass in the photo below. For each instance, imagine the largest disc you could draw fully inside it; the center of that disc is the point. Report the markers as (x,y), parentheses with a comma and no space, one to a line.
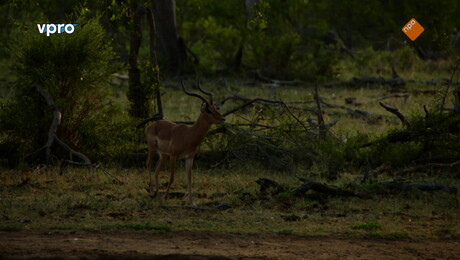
(138,226)
(370,226)
(390,236)
(82,199)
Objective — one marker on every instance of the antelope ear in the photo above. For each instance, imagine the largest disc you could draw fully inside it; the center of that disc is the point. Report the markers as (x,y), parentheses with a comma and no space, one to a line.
(204,106)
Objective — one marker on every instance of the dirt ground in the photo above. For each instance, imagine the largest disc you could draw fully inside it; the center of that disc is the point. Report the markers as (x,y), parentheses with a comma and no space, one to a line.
(212,245)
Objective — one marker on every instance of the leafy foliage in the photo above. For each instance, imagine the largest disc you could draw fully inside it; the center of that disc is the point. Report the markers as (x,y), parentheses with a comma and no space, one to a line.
(74,69)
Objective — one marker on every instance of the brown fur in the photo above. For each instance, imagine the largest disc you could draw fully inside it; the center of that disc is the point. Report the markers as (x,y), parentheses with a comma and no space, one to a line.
(178,141)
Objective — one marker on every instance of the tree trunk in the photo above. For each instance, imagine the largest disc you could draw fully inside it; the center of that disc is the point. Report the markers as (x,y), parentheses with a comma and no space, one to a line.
(139,104)
(154,60)
(170,54)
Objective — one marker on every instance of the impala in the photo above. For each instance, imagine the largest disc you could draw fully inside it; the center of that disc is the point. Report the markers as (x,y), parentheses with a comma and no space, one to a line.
(178,141)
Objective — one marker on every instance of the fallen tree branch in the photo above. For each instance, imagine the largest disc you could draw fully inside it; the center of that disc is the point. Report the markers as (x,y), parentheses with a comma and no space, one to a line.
(273,188)
(72,151)
(326,189)
(267,101)
(394,111)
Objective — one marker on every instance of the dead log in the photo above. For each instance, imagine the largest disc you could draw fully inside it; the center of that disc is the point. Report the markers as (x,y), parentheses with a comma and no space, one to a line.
(273,188)
(405,186)
(326,189)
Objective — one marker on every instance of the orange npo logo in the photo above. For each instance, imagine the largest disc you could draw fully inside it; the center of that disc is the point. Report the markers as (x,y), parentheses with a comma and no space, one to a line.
(413,29)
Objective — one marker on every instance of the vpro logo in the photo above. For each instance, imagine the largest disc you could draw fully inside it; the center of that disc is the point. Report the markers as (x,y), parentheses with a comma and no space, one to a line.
(53,28)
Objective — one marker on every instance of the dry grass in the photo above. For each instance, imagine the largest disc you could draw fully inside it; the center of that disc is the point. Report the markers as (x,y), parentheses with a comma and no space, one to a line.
(91,200)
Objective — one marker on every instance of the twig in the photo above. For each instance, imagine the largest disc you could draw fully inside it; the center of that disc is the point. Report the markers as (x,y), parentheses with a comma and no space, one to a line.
(268,101)
(321,128)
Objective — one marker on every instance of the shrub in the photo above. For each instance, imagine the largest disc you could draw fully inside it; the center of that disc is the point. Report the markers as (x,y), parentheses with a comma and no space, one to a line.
(74,69)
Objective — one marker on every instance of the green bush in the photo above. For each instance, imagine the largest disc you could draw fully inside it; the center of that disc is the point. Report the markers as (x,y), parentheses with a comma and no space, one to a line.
(74,69)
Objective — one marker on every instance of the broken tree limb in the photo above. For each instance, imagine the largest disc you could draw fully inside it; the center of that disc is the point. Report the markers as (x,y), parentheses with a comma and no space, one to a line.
(72,151)
(394,111)
(267,101)
(246,132)
(272,187)
(326,189)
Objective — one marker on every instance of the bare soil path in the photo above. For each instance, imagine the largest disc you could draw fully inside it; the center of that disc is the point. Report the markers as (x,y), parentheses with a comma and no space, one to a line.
(212,245)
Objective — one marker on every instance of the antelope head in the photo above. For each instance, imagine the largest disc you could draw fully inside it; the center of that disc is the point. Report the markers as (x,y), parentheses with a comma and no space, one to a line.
(209,110)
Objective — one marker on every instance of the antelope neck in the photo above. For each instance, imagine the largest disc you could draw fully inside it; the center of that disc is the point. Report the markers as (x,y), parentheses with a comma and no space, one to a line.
(201,126)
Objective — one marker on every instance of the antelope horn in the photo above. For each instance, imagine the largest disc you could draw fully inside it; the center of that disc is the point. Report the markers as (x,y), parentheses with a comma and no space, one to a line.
(211,96)
(193,94)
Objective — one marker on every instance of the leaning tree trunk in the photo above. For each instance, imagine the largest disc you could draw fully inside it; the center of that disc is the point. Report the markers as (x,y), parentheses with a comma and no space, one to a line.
(171,54)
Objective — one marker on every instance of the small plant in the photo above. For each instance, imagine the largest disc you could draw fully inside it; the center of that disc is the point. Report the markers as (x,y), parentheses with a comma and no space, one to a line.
(370,226)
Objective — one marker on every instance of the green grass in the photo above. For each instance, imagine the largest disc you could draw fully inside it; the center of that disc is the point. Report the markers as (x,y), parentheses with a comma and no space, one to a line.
(54,202)
(370,226)
(11,227)
(285,232)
